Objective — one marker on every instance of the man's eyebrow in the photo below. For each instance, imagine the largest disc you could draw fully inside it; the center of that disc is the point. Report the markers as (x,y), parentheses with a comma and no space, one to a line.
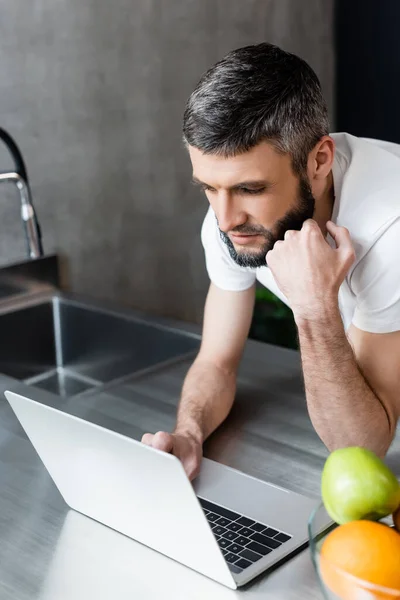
(196,181)
(256,183)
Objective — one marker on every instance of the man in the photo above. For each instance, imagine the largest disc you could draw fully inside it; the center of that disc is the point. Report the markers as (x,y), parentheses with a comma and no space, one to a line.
(316,219)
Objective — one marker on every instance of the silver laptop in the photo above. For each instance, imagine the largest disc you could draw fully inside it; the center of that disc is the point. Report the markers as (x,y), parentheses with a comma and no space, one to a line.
(228,526)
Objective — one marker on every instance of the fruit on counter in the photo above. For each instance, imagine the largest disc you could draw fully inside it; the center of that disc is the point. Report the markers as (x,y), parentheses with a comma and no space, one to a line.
(356,484)
(364,550)
(396,519)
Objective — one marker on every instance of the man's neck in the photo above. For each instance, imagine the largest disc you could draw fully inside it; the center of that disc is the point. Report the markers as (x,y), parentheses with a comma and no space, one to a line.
(324,204)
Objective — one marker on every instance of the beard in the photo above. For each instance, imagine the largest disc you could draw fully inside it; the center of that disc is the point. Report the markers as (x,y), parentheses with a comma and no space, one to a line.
(293,220)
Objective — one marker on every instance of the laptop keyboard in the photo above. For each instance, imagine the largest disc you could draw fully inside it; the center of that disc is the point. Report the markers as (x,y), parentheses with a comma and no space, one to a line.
(242,541)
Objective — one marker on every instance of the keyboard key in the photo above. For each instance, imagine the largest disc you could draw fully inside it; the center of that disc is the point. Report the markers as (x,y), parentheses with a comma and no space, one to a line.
(223,522)
(245,521)
(223,543)
(235,548)
(282,537)
(219,510)
(269,532)
(220,530)
(250,555)
(231,558)
(246,532)
(211,517)
(243,563)
(242,540)
(260,548)
(230,535)
(263,539)
(234,568)
(257,527)
(234,526)
(224,551)
(205,511)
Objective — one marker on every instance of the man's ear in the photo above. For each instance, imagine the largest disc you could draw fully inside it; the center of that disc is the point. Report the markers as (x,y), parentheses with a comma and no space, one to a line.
(321,159)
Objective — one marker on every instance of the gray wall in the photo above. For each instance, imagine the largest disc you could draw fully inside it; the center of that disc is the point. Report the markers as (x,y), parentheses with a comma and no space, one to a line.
(93,91)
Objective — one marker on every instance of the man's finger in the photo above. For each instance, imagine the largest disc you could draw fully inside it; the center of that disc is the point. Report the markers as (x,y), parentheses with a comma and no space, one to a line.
(147,439)
(163,441)
(311,225)
(290,233)
(191,466)
(343,242)
(341,235)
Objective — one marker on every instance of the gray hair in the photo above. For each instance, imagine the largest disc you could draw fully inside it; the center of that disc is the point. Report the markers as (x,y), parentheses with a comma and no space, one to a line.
(254,94)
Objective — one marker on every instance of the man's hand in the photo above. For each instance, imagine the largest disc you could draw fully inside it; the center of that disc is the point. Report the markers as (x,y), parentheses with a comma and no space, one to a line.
(184,446)
(308,271)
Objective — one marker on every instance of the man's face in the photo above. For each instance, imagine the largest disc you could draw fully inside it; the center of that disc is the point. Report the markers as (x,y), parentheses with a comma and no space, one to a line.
(256,198)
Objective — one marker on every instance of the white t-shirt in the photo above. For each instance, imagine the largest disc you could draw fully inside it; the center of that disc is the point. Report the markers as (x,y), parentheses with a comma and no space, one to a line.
(366,176)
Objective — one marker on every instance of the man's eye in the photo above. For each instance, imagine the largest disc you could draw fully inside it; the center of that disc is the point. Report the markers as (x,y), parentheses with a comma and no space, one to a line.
(252,191)
(243,190)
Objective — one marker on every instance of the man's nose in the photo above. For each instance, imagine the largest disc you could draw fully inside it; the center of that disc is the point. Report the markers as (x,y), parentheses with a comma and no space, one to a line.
(229,213)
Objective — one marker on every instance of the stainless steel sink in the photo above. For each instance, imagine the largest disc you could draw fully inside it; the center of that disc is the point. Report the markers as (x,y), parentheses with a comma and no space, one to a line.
(66,347)
(8,289)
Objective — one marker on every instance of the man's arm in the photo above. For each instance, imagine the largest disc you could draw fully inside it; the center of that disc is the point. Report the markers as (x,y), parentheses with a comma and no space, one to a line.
(210,385)
(352,386)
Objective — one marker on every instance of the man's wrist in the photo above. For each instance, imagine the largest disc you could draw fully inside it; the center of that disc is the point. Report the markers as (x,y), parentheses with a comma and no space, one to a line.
(326,315)
(191,430)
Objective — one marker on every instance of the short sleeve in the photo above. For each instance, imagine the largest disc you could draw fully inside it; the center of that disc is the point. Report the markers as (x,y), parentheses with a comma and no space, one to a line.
(376,284)
(221,268)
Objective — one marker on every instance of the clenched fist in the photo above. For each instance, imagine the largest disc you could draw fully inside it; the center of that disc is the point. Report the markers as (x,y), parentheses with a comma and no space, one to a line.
(308,271)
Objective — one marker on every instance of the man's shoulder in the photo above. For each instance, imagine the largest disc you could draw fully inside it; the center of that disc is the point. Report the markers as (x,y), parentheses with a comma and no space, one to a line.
(223,271)
(347,141)
(210,237)
(367,163)
(212,241)
(209,224)
(369,186)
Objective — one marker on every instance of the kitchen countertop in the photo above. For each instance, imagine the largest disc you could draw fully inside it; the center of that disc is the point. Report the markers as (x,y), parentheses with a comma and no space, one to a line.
(48,552)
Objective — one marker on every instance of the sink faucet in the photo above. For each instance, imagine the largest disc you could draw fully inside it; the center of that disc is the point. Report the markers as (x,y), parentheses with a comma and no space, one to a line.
(20,178)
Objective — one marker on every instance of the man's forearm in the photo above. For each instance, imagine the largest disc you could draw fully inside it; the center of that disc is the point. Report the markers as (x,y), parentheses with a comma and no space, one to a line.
(207,397)
(343,408)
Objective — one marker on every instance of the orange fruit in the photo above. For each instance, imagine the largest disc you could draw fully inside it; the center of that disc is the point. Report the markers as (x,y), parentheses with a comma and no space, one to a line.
(362,550)
(396,519)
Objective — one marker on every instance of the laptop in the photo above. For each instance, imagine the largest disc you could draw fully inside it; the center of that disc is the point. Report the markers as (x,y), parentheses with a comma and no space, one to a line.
(228,526)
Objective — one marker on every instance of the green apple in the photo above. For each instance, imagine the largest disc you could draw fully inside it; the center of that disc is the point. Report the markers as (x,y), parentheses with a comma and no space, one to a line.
(356,484)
